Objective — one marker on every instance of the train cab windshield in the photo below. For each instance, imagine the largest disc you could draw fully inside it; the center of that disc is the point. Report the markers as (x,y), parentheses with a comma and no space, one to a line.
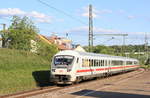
(63,60)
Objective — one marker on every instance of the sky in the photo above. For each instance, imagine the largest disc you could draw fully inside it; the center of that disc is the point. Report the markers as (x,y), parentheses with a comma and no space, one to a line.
(130,17)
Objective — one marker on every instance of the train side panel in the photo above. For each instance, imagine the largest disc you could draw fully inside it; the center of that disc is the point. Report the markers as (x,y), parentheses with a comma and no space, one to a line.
(88,65)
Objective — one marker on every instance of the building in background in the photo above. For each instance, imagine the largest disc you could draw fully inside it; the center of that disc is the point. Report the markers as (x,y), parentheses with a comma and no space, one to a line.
(42,37)
(61,42)
(79,48)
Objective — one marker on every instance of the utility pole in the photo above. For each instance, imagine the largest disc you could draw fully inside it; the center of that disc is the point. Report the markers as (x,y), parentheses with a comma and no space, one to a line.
(4,26)
(146,47)
(123,47)
(3,39)
(90,29)
(123,35)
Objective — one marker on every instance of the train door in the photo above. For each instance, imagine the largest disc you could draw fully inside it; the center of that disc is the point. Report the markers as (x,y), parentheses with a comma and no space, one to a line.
(92,64)
(78,66)
(109,66)
(124,64)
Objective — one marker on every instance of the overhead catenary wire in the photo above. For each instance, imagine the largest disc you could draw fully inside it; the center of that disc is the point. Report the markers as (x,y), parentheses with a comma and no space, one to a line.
(60,11)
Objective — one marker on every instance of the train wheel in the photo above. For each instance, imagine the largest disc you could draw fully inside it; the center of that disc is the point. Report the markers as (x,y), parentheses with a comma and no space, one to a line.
(78,79)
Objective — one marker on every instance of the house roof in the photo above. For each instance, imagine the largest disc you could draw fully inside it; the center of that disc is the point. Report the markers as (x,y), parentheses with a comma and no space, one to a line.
(51,39)
(44,38)
(79,48)
(62,47)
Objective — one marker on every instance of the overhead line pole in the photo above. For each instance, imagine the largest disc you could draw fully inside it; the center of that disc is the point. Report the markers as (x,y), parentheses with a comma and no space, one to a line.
(117,34)
(146,47)
(4,26)
(90,29)
(3,39)
(123,35)
(123,47)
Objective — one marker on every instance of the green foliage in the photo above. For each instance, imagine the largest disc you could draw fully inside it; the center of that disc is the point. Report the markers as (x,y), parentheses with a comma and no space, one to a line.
(103,49)
(117,50)
(21,32)
(17,68)
(146,66)
(46,50)
(129,48)
(4,34)
(86,48)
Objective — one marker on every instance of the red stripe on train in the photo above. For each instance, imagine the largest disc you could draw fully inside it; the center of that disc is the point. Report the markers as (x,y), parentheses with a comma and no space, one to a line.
(101,69)
(85,70)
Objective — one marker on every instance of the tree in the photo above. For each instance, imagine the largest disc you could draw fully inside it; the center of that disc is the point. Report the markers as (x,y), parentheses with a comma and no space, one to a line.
(22,31)
(46,50)
(103,49)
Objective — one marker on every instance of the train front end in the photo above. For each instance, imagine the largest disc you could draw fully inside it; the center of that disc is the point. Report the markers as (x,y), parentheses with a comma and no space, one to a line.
(62,68)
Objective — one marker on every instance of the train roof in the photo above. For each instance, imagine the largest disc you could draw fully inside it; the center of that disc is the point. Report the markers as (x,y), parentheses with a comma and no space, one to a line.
(73,52)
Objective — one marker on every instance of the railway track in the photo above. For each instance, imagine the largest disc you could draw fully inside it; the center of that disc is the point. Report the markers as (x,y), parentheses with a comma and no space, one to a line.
(33,92)
(42,90)
(113,84)
(118,79)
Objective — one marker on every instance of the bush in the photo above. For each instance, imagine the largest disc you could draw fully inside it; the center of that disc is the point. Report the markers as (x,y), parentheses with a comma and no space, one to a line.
(46,50)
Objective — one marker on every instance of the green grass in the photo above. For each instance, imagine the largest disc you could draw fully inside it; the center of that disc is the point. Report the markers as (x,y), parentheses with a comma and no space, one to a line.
(146,66)
(20,70)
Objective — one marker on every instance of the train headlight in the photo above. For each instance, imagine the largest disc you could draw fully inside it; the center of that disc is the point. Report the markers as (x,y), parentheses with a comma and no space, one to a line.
(53,70)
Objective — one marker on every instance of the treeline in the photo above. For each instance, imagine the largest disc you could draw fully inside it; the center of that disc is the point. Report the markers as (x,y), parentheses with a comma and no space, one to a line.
(22,34)
(117,50)
(132,51)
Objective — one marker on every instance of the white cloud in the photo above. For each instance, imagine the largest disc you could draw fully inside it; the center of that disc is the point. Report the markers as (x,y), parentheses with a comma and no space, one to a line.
(60,20)
(98,30)
(36,14)
(38,17)
(43,20)
(11,12)
(78,29)
(96,13)
(105,11)
(130,17)
(138,33)
(95,29)
(132,38)
(121,11)
(85,12)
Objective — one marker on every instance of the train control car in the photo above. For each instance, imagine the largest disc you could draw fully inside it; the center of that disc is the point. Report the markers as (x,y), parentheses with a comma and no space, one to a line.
(71,66)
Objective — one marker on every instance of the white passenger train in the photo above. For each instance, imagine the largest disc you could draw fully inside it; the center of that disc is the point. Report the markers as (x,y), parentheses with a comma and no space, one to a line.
(71,66)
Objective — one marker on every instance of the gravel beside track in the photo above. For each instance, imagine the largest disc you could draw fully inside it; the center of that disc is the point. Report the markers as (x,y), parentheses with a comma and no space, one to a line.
(33,92)
(86,88)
